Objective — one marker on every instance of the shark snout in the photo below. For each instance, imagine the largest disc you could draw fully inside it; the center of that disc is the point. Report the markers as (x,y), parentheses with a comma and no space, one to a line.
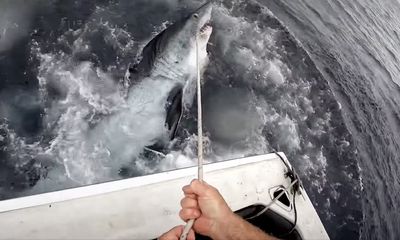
(206,8)
(203,14)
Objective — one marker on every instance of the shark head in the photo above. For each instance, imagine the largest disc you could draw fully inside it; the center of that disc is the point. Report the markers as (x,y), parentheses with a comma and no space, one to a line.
(172,53)
(197,25)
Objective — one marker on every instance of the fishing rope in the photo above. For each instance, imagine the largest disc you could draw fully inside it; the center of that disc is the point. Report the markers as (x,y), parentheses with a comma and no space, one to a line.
(190,223)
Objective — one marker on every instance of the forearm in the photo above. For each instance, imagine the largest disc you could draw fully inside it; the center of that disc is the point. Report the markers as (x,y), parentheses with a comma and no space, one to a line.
(236,228)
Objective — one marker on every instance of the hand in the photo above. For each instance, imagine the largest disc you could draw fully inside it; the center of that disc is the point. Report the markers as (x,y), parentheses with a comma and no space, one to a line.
(205,204)
(175,233)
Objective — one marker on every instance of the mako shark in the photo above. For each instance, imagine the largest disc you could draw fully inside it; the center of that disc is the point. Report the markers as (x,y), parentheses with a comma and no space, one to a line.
(162,84)
(171,56)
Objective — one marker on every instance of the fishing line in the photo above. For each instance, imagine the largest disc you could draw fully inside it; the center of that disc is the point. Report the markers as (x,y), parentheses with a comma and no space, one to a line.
(190,223)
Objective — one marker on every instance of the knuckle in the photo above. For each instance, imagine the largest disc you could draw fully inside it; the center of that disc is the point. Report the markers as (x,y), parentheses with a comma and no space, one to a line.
(209,191)
(195,203)
(187,202)
(181,213)
(183,202)
(185,213)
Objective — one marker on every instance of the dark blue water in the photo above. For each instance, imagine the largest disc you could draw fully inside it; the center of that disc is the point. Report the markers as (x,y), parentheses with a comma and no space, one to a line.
(315,79)
(355,46)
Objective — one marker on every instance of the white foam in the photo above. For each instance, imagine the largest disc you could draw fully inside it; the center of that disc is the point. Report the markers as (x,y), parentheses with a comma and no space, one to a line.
(98,130)
(274,74)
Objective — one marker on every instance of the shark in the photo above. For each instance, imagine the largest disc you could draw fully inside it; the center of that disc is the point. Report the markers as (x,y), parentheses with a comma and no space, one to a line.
(171,56)
(162,86)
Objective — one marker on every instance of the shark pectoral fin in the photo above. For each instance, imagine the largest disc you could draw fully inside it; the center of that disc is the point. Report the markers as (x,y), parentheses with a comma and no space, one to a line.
(174,109)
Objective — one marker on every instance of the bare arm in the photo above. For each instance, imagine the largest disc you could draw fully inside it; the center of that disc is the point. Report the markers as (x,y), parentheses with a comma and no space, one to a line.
(235,228)
(213,216)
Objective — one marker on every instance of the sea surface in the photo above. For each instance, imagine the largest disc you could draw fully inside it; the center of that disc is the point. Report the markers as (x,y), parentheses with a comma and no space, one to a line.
(314,79)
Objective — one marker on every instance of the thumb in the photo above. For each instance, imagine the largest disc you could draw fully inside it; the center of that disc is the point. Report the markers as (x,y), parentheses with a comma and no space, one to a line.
(201,188)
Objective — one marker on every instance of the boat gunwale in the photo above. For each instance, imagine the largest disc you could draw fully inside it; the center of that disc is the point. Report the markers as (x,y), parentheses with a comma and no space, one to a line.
(123,184)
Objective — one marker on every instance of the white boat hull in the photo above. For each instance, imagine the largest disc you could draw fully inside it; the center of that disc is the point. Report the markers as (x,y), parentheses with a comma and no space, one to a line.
(145,207)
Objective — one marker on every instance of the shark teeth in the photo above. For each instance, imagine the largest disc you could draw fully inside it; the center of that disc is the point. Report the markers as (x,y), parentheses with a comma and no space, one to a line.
(206,27)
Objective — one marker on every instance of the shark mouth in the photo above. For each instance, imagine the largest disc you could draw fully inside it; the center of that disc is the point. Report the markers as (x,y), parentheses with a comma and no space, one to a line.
(206,29)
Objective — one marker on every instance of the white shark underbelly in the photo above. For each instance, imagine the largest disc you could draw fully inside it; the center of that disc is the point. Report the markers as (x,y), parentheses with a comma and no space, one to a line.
(141,123)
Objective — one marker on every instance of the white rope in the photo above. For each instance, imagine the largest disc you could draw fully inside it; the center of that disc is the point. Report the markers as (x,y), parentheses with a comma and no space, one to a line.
(199,118)
(190,223)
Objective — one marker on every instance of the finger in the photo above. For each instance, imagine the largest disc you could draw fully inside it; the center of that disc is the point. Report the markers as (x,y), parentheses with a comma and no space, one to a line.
(191,235)
(172,234)
(192,196)
(189,213)
(202,189)
(187,190)
(189,203)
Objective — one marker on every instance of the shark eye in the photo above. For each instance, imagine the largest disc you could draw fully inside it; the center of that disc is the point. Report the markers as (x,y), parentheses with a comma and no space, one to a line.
(196,15)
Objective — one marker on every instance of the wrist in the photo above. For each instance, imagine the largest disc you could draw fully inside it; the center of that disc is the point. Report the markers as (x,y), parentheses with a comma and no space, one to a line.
(224,226)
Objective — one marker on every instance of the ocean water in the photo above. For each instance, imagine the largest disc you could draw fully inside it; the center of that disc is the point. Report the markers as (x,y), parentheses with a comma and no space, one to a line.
(315,79)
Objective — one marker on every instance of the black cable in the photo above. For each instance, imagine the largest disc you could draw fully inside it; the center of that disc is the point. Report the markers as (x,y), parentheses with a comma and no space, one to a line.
(295,218)
(283,160)
(296,188)
(293,176)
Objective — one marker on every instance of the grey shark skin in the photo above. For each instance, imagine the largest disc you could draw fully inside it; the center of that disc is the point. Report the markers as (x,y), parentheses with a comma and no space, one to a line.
(175,46)
(172,55)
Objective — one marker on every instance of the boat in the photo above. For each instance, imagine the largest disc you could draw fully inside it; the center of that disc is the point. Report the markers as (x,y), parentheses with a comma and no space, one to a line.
(262,189)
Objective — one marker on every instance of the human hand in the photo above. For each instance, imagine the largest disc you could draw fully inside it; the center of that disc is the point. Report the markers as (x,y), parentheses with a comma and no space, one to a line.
(175,233)
(205,204)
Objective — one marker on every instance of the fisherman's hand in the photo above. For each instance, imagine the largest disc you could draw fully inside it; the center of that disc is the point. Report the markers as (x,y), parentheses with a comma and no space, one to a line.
(205,204)
(175,233)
